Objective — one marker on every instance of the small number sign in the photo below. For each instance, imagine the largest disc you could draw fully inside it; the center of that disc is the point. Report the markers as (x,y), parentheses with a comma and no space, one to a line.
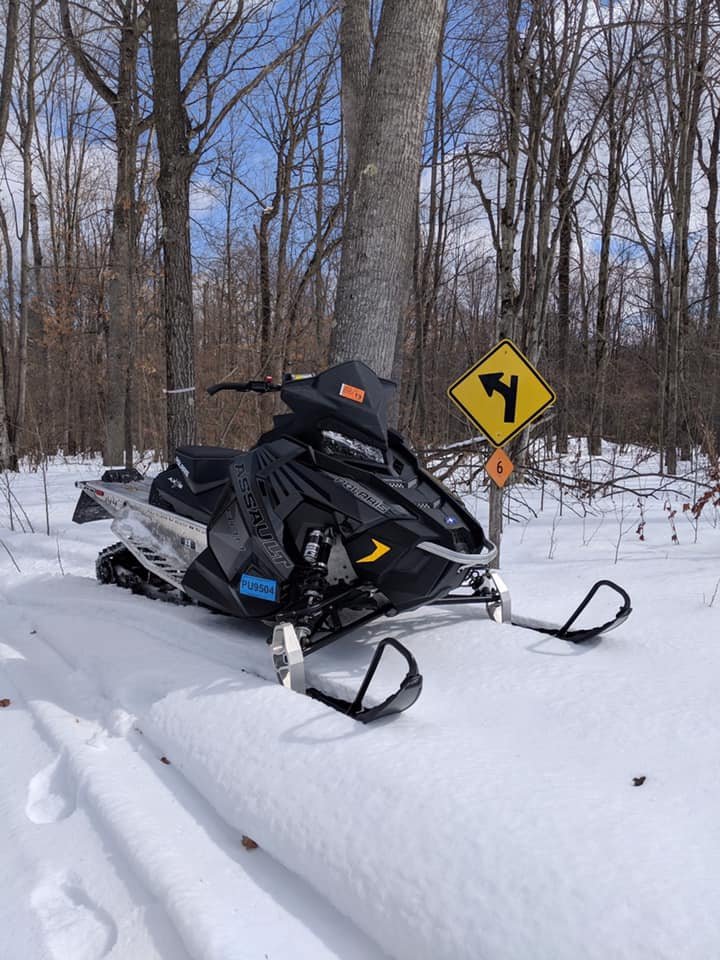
(499,467)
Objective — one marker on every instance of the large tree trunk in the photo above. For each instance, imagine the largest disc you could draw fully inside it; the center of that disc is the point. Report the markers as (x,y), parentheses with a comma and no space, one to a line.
(176,166)
(376,265)
(11,25)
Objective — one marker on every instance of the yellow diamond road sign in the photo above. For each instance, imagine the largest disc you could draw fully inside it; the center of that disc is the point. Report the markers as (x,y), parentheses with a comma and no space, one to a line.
(502,393)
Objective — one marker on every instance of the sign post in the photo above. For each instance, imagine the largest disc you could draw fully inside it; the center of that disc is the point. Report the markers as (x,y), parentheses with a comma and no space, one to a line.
(501,394)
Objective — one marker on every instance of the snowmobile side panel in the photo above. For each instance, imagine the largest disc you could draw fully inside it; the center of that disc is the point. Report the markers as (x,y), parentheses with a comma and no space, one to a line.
(386,555)
(246,569)
(205,582)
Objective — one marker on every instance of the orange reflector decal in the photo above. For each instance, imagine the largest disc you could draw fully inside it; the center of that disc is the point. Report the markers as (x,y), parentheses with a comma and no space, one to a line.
(352,393)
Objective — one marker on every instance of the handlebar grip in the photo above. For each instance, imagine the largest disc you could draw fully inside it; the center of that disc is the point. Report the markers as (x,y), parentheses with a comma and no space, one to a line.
(252,386)
(217,387)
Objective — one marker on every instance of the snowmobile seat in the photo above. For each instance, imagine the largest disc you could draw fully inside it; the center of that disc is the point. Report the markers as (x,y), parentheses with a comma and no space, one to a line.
(205,466)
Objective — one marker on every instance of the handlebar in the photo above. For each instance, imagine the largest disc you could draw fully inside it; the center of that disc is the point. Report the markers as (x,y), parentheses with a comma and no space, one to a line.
(251,386)
(257,386)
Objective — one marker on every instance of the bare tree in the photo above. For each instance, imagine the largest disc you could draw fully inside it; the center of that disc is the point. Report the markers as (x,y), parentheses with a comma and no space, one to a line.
(376,266)
(6,83)
(296,94)
(685,41)
(26,113)
(619,53)
(218,54)
(120,93)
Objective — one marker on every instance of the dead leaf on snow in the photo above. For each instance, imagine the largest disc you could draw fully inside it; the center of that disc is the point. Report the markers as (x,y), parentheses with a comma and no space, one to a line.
(248,843)
(639,781)
(5,702)
(164,760)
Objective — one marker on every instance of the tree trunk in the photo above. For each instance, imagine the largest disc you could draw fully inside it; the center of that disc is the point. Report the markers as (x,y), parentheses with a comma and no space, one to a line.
(27,128)
(563,302)
(355,44)
(266,311)
(601,316)
(121,295)
(710,169)
(428,261)
(119,329)
(376,264)
(176,166)
(36,329)
(11,25)
(689,50)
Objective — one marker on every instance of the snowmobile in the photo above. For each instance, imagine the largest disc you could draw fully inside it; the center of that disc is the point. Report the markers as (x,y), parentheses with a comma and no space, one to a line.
(328,523)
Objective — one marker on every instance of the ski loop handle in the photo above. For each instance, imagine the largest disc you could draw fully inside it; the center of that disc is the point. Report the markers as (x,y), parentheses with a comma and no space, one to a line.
(577,636)
(375,663)
(404,697)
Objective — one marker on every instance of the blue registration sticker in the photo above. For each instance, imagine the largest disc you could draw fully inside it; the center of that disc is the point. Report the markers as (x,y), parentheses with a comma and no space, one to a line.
(258,587)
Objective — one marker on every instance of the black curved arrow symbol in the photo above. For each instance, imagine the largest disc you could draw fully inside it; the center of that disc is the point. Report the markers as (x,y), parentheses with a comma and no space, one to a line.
(492,382)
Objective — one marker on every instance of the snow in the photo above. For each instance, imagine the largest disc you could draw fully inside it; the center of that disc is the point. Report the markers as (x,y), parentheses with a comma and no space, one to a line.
(496,820)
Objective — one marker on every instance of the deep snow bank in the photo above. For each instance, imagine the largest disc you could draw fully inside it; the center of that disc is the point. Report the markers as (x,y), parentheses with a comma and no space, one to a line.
(496,819)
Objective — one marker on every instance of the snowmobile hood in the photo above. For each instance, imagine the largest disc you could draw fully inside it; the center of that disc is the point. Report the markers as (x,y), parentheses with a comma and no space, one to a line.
(349,396)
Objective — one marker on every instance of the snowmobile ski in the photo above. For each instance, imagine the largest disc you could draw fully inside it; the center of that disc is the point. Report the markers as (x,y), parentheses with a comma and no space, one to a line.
(327,524)
(496,597)
(290,667)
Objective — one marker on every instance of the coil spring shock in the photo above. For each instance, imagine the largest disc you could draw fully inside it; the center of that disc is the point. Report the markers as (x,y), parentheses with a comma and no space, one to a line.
(316,552)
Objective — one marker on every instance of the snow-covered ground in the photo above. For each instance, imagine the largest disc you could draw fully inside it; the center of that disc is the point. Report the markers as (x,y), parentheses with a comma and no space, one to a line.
(541,801)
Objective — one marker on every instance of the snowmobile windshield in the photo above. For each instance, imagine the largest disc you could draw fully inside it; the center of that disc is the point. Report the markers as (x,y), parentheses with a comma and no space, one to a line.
(348,399)
(338,445)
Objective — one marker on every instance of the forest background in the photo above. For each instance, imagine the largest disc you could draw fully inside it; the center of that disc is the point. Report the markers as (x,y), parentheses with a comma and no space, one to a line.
(567,198)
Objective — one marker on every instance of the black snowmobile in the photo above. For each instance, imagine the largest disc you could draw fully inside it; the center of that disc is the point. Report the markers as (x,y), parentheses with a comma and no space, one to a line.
(328,523)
